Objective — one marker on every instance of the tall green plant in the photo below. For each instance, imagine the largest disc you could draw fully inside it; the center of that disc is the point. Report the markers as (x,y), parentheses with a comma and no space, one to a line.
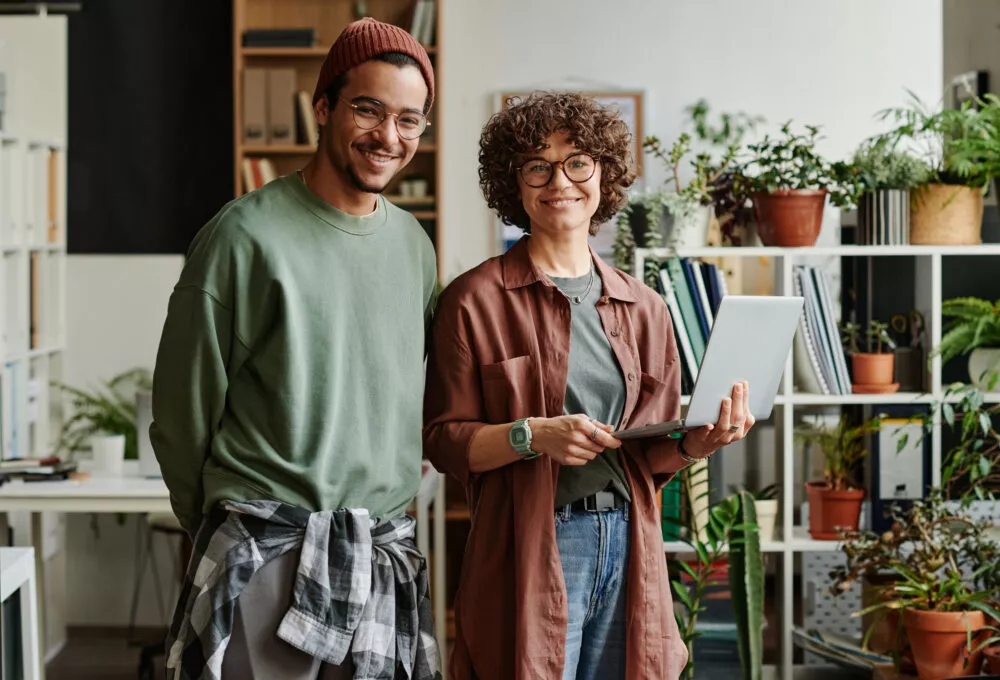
(746,586)
(731,529)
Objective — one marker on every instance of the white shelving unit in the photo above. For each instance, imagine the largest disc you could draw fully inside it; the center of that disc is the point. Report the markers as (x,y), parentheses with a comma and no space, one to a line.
(33,302)
(792,540)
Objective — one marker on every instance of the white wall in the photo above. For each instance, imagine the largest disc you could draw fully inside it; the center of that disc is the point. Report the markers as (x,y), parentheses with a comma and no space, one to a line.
(115,307)
(829,63)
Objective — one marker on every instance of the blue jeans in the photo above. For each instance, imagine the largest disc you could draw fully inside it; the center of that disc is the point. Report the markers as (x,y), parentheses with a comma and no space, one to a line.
(593,547)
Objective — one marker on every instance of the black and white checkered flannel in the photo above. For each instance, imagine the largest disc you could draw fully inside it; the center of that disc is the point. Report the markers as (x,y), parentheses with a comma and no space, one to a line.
(360,589)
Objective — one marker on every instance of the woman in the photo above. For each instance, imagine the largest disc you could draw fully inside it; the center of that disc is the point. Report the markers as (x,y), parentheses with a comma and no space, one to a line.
(537,357)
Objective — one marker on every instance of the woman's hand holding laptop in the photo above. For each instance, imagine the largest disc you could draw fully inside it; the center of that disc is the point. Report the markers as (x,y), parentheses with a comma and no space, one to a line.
(735,421)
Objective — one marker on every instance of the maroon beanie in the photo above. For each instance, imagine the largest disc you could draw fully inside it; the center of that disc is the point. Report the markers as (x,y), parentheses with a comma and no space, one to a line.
(367,38)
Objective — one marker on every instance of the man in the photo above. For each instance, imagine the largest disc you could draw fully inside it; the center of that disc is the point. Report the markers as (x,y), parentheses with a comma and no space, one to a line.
(288,398)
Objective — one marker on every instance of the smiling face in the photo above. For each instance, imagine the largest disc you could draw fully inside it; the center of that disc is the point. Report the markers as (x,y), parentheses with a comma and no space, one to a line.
(562,206)
(368,159)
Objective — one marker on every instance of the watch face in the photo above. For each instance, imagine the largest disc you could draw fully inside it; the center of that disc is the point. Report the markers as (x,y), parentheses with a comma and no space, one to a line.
(518,436)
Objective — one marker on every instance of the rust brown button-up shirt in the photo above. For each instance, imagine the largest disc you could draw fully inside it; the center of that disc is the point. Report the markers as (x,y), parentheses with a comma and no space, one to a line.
(500,352)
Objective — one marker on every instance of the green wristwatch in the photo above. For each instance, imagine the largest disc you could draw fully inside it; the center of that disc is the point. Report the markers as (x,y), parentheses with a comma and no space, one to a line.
(520,439)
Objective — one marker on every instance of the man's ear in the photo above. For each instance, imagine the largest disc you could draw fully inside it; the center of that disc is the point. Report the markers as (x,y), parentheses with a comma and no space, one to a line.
(322,110)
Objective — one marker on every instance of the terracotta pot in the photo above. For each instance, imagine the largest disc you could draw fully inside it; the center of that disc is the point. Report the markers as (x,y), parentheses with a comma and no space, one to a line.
(882,639)
(789,218)
(938,640)
(946,214)
(873,369)
(832,512)
(992,656)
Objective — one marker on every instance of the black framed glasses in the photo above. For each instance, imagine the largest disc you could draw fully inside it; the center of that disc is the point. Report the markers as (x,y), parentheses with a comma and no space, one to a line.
(369,114)
(537,172)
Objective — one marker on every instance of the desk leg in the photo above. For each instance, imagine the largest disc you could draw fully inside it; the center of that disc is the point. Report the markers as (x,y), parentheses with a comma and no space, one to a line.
(39,595)
(34,666)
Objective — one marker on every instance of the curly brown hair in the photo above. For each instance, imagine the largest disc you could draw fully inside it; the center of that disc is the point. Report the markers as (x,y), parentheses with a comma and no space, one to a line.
(524,127)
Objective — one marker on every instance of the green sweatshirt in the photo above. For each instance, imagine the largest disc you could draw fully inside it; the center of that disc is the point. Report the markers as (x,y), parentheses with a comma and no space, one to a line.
(291,361)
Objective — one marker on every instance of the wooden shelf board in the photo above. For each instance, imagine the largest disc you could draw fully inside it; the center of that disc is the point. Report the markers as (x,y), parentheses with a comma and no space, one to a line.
(424,214)
(410,201)
(277,150)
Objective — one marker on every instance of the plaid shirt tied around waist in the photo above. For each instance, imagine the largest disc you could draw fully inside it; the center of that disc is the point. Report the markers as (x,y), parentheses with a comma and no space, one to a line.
(360,589)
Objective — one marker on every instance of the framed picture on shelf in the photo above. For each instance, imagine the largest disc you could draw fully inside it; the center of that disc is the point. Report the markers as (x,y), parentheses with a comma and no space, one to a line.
(969,86)
(629,105)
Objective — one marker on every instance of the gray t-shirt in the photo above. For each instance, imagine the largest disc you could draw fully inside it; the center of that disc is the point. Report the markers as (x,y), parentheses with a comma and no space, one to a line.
(595,387)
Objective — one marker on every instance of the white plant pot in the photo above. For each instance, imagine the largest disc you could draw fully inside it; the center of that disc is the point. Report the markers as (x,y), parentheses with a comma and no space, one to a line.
(767,515)
(691,231)
(983,359)
(109,453)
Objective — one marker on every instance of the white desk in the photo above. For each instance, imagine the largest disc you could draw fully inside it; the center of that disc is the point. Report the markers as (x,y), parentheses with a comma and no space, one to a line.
(17,575)
(99,493)
(132,493)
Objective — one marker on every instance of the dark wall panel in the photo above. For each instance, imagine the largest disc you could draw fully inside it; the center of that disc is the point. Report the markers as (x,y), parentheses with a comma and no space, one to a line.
(150,123)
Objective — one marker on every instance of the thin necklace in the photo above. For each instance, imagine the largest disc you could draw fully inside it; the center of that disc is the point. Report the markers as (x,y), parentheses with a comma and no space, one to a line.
(577,299)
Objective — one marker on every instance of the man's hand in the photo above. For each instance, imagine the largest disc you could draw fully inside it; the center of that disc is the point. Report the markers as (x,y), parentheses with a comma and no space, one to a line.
(735,421)
(571,440)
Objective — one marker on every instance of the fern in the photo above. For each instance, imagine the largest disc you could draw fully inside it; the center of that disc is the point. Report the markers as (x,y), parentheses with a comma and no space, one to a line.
(976,324)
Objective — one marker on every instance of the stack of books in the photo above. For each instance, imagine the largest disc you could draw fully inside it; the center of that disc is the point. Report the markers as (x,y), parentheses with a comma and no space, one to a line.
(36,469)
(820,364)
(693,291)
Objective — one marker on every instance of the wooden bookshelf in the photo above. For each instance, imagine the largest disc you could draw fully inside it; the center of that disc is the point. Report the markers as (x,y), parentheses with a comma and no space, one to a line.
(328,19)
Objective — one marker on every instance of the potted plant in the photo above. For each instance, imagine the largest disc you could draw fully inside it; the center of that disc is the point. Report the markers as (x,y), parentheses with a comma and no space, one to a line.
(943,611)
(765,503)
(973,330)
(729,550)
(104,420)
(690,204)
(948,208)
(788,183)
(872,371)
(884,177)
(835,501)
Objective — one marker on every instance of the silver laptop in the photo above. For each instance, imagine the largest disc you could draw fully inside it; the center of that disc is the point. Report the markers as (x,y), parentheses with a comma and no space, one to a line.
(750,340)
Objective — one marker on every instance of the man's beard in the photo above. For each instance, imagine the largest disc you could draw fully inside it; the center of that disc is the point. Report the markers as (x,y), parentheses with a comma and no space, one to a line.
(360,185)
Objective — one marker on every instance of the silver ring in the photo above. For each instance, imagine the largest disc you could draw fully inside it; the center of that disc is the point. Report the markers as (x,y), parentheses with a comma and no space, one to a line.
(734,428)
(593,437)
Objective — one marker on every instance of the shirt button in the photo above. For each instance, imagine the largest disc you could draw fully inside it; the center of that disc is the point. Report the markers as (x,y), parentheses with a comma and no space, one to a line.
(614,332)
(631,376)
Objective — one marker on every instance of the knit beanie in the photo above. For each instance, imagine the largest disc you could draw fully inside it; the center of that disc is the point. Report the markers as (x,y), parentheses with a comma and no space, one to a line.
(367,38)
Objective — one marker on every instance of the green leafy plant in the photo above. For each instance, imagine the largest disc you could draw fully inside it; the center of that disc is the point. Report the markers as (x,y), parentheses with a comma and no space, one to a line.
(643,210)
(711,167)
(877,166)
(975,323)
(790,161)
(877,336)
(731,530)
(925,551)
(108,410)
(959,145)
(843,448)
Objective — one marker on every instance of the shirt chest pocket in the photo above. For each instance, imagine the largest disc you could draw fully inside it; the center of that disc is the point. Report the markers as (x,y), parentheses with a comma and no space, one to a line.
(509,388)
